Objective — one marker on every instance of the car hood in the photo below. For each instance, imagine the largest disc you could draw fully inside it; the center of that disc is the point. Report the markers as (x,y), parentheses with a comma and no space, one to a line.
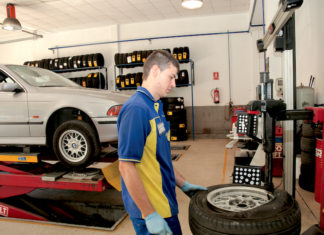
(95,94)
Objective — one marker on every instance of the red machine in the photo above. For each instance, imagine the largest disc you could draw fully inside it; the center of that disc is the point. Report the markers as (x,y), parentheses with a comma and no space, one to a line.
(318,229)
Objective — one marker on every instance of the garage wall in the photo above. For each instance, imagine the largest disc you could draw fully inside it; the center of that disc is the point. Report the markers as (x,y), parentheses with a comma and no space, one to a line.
(310,46)
(210,54)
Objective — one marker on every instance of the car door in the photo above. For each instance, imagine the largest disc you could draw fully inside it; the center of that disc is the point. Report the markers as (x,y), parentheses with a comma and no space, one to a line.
(14,121)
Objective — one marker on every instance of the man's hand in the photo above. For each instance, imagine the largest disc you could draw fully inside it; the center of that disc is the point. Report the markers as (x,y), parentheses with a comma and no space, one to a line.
(157,225)
(191,189)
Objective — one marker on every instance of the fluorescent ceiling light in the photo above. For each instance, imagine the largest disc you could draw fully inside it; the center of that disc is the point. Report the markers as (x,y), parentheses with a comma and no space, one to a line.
(192,4)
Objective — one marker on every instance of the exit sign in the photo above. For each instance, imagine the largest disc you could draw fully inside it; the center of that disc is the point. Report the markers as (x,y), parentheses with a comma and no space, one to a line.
(216,75)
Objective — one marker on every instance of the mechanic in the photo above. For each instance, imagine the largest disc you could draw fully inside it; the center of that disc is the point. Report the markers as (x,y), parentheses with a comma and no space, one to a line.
(148,176)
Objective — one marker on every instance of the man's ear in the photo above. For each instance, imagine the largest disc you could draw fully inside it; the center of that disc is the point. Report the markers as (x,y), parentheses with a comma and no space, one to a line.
(155,70)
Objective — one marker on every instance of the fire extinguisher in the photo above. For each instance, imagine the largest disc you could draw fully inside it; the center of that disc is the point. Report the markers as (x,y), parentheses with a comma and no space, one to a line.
(215,95)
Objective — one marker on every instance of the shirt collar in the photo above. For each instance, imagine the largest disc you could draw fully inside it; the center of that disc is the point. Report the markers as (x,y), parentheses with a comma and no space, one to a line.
(147,93)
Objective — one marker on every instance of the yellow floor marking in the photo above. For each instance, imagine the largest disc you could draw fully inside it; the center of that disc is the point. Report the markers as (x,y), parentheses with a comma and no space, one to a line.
(225,160)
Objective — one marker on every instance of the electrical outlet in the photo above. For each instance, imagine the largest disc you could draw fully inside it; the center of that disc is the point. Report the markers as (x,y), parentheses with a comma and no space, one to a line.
(111,82)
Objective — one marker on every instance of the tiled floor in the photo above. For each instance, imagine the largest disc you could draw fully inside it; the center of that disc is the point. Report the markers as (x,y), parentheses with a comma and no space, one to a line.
(205,163)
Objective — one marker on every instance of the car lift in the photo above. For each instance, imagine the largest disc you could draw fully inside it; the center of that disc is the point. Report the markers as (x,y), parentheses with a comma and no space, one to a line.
(21,173)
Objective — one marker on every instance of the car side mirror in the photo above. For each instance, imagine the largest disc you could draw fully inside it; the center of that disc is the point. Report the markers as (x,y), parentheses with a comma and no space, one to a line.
(10,87)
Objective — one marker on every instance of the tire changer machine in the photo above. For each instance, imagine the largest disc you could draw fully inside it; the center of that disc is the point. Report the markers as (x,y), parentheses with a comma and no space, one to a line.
(282,32)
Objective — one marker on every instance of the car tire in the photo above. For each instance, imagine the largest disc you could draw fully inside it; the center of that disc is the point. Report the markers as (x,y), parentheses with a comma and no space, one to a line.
(280,216)
(307,145)
(80,137)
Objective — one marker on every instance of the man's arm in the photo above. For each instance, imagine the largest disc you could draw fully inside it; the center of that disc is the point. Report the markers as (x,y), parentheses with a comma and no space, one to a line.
(187,188)
(180,180)
(135,187)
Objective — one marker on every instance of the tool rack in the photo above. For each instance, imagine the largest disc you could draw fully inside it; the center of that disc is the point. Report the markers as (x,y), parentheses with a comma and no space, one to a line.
(21,173)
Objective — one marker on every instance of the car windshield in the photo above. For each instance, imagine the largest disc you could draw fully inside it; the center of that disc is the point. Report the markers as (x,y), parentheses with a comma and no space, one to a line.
(41,77)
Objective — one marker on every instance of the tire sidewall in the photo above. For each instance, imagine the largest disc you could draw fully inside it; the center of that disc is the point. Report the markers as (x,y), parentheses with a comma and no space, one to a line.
(238,222)
(82,128)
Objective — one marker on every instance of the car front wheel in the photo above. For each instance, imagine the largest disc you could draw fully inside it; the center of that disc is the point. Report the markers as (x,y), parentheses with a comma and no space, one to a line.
(76,144)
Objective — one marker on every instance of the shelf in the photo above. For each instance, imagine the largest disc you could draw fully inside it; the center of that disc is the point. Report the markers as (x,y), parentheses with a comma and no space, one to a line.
(85,69)
(135,88)
(78,69)
(128,66)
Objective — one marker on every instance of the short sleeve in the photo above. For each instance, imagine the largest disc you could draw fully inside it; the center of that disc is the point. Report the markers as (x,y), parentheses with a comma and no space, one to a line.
(133,128)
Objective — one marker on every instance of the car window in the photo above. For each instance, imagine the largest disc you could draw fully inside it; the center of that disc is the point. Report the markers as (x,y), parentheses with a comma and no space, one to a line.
(5,79)
(41,77)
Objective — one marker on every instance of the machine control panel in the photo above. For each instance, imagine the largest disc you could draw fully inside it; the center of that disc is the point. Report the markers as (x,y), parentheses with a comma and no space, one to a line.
(247,123)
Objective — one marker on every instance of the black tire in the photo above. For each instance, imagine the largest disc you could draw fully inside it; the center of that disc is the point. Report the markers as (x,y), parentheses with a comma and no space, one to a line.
(89,80)
(41,63)
(178,134)
(172,106)
(116,59)
(186,54)
(132,80)
(180,54)
(87,134)
(138,79)
(173,100)
(308,130)
(122,81)
(308,171)
(125,60)
(46,63)
(75,62)
(183,77)
(79,61)
(85,60)
(307,159)
(98,60)
(279,216)
(121,59)
(61,62)
(307,145)
(84,82)
(179,126)
(66,63)
(144,56)
(139,57)
(175,52)
(134,59)
(306,183)
(118,84)
(319,132)
(98,81)
(70,62)
(181,113)
(127,80)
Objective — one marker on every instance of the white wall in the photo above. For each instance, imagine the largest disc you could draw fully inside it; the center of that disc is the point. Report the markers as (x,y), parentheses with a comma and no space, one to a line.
(310,46)
(210,53)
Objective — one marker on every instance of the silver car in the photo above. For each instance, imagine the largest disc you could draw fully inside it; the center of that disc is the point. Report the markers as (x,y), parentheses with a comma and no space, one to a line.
(39,107)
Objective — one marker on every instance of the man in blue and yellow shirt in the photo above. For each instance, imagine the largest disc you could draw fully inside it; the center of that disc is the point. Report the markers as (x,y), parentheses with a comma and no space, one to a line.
(148,176)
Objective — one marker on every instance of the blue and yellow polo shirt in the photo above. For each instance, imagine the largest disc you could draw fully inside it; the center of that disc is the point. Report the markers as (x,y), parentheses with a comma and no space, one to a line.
(139,142)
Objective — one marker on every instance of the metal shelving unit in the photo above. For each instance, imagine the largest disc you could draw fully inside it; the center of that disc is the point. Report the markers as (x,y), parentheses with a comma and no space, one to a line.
(87,68)
(192,83)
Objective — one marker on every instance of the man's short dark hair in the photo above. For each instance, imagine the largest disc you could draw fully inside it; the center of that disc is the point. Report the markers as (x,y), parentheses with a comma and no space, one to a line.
(162,59)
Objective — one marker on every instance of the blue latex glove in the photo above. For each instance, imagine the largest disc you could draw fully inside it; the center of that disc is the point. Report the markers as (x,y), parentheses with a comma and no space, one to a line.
(191,189)
(157,225)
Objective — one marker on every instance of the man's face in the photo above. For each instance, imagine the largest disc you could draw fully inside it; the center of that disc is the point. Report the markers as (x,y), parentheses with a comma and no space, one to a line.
(166,81)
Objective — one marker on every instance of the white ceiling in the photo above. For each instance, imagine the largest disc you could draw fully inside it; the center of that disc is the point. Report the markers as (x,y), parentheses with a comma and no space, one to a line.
(66,15)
